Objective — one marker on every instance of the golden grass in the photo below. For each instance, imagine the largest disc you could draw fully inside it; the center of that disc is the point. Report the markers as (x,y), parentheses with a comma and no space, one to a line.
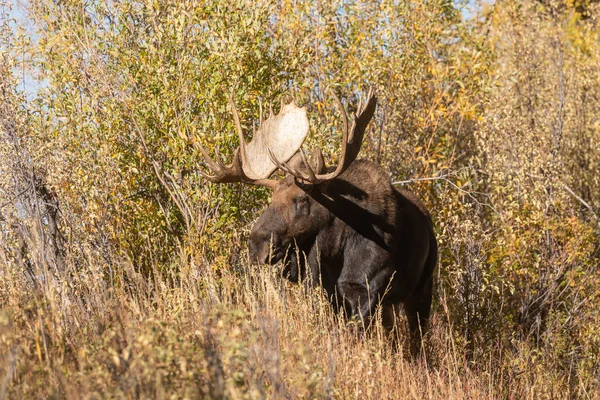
(241,333)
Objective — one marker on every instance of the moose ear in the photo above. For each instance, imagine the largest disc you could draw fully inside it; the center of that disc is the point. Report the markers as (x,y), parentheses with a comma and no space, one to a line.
(316,161)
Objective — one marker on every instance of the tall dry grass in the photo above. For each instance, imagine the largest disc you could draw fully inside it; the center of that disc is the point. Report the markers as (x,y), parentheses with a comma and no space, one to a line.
(238,333)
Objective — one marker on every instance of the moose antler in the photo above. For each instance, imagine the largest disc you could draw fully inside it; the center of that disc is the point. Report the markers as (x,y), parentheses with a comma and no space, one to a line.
(351,143)
(281,135)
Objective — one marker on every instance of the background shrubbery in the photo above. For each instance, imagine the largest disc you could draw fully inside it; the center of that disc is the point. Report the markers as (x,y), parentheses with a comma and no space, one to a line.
(124,274)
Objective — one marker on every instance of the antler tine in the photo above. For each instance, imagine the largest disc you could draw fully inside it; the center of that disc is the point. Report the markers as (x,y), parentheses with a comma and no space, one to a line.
(212,166)
(370,94)
(206,176)
(219,173)
(260,112)
(342,111)
(238,128)
(207,159)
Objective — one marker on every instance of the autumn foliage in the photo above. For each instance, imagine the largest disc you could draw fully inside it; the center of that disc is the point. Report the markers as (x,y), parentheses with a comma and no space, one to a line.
(124,274)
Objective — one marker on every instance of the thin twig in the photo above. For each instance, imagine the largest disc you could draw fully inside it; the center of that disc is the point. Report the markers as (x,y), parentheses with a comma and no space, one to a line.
(444,177)
(582,201)
(415,180)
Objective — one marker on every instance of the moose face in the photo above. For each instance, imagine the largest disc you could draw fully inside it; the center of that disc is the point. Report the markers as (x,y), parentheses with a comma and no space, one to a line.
(291,219)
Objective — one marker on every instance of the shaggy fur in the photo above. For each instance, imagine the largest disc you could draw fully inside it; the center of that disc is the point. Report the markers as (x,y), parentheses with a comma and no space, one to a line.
(364,241)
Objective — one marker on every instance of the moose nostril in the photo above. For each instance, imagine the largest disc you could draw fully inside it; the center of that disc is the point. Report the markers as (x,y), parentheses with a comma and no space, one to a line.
(263,246)
(257,252)
(264,257)
(260,255)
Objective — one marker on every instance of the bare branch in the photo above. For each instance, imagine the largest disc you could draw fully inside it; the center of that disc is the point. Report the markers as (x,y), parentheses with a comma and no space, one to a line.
(583,202)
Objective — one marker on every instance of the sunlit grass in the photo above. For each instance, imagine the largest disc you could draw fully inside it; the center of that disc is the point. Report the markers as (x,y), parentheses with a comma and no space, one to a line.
(244,333)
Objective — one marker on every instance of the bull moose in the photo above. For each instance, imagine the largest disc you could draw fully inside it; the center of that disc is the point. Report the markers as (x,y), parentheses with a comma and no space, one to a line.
(346,228)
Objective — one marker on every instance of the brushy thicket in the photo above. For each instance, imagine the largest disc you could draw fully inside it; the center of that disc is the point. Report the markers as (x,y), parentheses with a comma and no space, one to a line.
(124,274)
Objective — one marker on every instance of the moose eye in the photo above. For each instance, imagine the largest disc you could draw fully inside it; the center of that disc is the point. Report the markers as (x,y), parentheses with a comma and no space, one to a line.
(301,200)
(301,205)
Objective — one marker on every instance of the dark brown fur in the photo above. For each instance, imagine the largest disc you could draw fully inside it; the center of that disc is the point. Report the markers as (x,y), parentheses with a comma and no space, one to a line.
(364,241)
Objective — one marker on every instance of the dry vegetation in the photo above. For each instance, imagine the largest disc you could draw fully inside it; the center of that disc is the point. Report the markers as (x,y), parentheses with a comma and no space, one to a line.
(123,274)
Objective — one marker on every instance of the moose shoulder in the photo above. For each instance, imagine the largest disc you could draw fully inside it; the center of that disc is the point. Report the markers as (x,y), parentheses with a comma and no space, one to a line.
(346,228)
